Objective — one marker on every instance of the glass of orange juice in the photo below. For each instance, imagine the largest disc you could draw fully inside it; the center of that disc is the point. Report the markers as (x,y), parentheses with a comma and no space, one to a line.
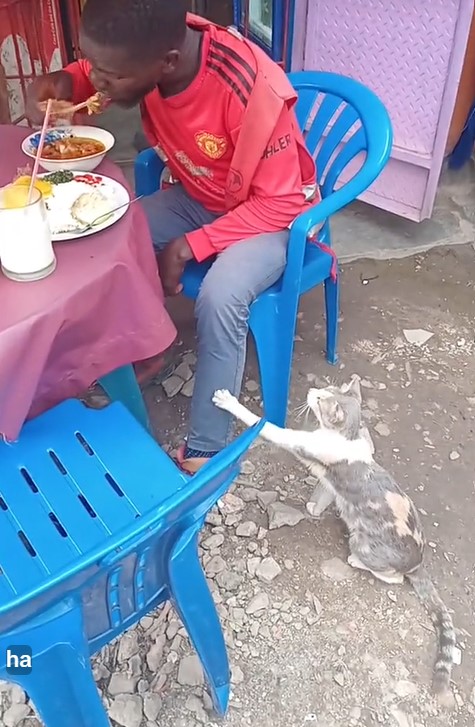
(26,250)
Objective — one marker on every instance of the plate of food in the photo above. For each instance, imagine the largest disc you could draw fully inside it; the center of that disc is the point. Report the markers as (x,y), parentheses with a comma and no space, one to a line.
(70,148)
(79,203)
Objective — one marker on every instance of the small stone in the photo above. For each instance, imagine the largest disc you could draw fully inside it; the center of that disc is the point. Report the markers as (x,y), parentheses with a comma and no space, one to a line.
(417,336)
(214,566)
(15,714)
(405,688)
(230,504)
(126,710)
(259,602)
(172,630)
(214,519)
(190,358)
(195,705)
(183,371)
(453,456)
(232,520)
(229,581)
(281,514)
(155,655)
(237,675)
(402,719)
(248,494)
(172,386)
(247,467)
(143,686)
(214,541)
(100,671)
(252,565)
(339,678)
(152,704)
(188,388)
(247,529)
(252,385)
(472,696)
(382,429)
(128,646)
(120,683)
(266,498)
(190,672)
(16,694)
(268,569)
(337,570)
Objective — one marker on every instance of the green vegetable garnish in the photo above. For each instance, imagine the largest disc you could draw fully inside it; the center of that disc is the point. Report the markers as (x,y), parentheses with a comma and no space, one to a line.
(59,177)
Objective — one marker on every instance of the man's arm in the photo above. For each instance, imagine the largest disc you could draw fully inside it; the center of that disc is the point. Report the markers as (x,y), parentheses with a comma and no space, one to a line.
(71,84)
(276,197)
(82,88)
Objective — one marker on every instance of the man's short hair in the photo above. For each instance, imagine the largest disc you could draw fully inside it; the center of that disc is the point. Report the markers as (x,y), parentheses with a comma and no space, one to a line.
(147,28)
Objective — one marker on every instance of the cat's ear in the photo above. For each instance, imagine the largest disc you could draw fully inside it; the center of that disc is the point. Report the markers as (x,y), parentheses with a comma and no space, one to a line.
(338,414)
(353,389)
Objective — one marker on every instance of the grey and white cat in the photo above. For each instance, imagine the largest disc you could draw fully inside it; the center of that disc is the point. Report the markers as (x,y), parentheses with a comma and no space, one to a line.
(386,536)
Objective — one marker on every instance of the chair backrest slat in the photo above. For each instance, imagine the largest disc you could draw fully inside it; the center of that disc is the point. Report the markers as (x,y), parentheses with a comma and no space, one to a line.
(339,118)
(351,149)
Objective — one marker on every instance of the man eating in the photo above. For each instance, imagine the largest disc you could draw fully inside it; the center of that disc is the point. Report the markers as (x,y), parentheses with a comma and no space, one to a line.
(220,114)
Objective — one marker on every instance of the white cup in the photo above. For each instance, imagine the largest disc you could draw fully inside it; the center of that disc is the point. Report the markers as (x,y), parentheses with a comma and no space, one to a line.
(26,250)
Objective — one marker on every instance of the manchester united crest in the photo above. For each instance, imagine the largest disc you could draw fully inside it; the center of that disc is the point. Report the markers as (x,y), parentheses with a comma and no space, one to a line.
(212,146)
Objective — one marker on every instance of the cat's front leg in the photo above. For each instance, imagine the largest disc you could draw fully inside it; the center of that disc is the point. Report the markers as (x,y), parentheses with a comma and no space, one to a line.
(320,500)
(324,445)
(224,400)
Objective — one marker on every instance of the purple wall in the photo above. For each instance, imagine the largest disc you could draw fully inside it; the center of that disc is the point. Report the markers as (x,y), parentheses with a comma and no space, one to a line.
(409,52)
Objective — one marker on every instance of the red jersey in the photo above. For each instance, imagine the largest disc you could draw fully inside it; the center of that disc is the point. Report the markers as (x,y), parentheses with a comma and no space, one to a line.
(196,131)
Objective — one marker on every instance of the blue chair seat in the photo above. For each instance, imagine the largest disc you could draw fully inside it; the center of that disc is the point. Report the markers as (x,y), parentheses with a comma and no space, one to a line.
(98,527)
(60,502)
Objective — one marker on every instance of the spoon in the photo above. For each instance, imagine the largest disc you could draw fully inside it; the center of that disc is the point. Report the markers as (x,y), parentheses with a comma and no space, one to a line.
(102,218)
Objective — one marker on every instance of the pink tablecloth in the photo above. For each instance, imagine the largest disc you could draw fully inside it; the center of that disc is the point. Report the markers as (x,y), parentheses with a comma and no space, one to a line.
(102,308)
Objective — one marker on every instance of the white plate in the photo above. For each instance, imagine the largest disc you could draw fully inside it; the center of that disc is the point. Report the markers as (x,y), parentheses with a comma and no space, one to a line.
(112,187)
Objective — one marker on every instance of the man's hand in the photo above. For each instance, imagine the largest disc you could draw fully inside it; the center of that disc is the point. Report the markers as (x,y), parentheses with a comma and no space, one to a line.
(58,86)
(171,264)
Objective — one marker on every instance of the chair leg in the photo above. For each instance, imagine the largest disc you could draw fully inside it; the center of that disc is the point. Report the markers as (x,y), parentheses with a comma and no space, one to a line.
(332,295)
(121,385)
(61,684)
(274,339)
(194,603)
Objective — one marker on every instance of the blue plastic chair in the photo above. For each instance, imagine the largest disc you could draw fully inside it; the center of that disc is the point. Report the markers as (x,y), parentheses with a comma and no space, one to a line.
(341,119)
(98,527)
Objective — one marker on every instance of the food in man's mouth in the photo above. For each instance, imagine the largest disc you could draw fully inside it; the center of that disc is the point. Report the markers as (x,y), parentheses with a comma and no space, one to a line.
(94,105)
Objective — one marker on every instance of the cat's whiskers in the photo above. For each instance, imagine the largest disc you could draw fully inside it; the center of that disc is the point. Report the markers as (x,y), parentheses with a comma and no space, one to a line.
(299,411)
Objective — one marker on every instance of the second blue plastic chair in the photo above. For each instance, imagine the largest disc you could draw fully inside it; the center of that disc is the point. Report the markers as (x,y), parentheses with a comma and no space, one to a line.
(343,122)
(98,527)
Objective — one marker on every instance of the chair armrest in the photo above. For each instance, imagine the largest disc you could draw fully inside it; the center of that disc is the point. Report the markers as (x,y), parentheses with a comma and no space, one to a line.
(314,217)
(148,169)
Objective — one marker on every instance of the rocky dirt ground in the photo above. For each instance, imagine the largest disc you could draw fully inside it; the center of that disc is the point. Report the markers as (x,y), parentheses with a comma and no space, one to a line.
(310,640)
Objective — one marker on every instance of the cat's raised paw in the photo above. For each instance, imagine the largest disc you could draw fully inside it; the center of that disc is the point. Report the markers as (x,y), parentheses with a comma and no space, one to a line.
(223,399)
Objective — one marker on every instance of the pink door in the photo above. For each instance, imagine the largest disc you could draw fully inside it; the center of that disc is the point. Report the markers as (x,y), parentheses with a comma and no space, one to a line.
(410,52)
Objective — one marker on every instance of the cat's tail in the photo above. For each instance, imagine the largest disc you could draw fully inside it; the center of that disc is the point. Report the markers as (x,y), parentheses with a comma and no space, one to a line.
(442,621)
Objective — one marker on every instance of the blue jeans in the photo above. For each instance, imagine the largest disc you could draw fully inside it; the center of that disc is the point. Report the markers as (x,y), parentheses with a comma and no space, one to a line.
(236,278)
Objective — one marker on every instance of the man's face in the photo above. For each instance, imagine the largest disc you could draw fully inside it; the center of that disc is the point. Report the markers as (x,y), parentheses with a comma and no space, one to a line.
(121,78)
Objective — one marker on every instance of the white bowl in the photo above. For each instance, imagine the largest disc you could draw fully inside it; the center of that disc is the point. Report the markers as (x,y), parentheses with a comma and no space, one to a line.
(83,164)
